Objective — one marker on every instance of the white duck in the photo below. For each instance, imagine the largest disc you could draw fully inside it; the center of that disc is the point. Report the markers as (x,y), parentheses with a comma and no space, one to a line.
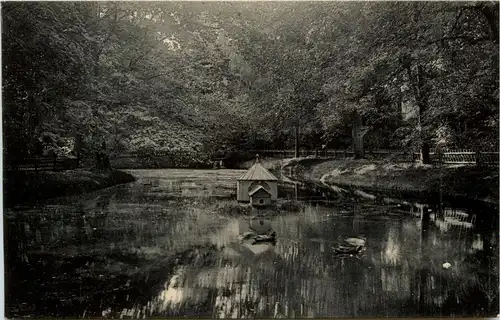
(356,241)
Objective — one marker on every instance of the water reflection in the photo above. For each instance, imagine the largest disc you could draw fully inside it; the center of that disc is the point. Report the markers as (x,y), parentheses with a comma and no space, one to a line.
(158,247)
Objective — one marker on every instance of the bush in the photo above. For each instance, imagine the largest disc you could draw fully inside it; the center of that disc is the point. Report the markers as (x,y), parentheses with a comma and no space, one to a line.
(233,209)
(290,205)
(25,187)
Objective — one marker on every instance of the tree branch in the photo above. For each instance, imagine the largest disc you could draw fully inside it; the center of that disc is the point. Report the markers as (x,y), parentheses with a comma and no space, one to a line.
(12,8)
(371,89)
(459,15)
(489,14)
(134,60)
(113,27)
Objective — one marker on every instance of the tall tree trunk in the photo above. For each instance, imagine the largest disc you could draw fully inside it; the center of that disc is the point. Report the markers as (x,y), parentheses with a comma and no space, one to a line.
(357,137)
(34,120)
(78,145)
(425,152)
(297,130)
(297,140)
(96,46)
(422,107)
(417,81)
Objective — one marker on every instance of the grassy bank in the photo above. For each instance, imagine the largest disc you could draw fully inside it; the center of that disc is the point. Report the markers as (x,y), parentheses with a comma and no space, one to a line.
(27,187)
(403,179)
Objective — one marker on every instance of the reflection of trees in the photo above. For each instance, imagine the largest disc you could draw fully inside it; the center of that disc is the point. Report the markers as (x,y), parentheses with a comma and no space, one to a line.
(423,272)
(301,277)
(400,274)
(264,287)
(17,232)
(447,291)
(392,249)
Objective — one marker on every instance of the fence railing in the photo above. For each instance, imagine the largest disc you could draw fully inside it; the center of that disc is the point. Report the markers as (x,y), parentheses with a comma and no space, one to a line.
(44,163)
(470,157)
(331,153)
(153,153)
(467,157)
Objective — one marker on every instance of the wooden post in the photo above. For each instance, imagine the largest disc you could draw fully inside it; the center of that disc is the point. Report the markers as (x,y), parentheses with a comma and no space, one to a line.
(478,158)
(440,210)
(425,221)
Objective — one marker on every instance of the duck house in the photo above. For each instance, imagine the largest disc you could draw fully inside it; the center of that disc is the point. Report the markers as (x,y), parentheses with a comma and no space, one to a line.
(257,186)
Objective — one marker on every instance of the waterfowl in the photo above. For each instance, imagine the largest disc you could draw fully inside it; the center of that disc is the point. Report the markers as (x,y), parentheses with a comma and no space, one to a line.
(348,250)
(265,238)
(356,241)
(247,235)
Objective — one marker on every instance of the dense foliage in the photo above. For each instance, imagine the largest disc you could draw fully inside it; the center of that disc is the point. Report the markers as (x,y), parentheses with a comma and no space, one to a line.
(218,78)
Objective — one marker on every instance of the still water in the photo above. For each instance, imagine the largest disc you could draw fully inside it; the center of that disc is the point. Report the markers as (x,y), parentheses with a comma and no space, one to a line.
(166,245)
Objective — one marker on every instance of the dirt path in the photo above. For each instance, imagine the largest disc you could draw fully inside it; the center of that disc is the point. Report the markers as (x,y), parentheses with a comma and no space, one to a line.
(404,179)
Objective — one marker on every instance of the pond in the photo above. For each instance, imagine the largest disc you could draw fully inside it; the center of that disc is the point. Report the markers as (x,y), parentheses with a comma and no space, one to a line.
(167,245)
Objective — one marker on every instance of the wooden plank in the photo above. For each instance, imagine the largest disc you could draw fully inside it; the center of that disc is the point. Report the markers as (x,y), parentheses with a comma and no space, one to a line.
(45,164)
(459,162)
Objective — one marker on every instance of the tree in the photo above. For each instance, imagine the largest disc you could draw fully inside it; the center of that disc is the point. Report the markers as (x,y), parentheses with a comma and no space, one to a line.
(221,78)
(410,45)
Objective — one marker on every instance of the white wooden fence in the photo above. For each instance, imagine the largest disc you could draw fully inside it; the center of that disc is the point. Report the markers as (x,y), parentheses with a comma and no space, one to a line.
(466,157)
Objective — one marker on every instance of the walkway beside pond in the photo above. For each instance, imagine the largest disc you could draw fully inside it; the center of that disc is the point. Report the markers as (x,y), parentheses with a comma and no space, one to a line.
(410,179)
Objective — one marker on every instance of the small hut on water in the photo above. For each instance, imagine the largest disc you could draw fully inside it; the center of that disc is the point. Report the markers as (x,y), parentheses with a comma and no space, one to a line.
(257,186)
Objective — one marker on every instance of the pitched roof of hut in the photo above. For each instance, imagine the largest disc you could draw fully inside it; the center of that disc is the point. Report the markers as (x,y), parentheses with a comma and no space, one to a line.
(254,191)
(258,172)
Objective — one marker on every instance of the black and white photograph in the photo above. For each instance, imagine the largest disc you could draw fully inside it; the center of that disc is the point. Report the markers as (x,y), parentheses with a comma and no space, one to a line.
(250,159)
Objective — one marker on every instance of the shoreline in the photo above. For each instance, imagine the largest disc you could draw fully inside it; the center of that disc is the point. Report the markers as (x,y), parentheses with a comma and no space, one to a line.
(408,180)
(21,188)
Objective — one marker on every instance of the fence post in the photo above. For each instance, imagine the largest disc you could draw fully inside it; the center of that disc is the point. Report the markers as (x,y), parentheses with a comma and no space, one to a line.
(478,158)
(345,153)
(440,156)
